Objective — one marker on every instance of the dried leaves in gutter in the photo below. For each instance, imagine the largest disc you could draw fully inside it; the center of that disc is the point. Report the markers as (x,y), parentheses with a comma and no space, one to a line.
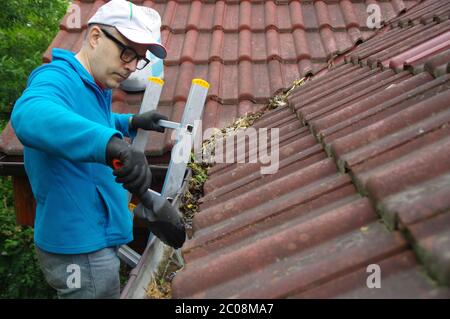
(281,99)
(160,286)
(189,201)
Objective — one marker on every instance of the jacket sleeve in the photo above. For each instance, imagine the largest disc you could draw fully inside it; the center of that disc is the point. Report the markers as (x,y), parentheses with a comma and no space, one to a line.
(122,124)
(43,120)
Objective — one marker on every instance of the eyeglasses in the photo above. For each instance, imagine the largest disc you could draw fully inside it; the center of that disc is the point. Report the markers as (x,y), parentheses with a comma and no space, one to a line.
(128,54)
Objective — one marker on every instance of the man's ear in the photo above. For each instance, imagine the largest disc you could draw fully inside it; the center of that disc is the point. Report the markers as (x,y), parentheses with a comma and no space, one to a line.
(93,36)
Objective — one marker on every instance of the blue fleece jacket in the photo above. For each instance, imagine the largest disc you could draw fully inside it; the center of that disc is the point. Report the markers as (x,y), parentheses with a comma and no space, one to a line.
(64,120)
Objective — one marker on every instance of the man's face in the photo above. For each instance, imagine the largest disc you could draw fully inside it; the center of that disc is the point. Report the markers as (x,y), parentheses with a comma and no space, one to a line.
(108,67)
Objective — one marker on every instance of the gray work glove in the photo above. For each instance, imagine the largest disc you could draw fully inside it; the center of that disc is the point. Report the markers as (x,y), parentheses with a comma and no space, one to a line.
(147,121)
(132,171)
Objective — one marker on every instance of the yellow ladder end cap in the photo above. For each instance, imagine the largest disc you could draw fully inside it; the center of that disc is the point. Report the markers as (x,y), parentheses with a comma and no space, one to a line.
(156,80)
(201,83)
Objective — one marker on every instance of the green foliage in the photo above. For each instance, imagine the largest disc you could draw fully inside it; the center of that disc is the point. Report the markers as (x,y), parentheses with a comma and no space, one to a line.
(19,271)
(190,199)
(20,275)
(27,27)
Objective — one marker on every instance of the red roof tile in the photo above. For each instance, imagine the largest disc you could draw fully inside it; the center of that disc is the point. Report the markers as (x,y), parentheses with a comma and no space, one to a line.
(287,263)
(401,277)
(425,200)
(311,231)
(423,51)
(247,50)
(432,241)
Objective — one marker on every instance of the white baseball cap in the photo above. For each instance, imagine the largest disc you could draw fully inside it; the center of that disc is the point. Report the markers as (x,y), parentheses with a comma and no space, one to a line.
(136,23)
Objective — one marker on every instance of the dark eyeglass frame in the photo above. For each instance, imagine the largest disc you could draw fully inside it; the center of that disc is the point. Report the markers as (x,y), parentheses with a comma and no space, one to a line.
(124,48)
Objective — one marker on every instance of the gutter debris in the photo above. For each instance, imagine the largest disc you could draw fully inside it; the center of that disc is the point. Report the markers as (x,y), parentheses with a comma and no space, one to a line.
(190,199)
(281,99)
(242,123)
(160,285)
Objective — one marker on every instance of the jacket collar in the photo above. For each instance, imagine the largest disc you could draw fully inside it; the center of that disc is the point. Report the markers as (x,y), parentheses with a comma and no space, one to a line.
(69,57)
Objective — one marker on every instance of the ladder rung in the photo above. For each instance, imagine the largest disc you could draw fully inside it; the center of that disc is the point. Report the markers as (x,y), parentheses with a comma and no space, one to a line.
(154,192)
(129,256)
(169,124)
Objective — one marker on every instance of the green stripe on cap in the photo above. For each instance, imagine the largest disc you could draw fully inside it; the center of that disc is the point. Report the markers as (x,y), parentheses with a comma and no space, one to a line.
(131,11)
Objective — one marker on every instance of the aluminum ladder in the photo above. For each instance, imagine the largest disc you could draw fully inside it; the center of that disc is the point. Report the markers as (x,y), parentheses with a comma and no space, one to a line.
(186,131)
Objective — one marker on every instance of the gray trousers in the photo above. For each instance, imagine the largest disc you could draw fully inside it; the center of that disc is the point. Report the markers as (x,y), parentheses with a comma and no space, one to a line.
(83,276)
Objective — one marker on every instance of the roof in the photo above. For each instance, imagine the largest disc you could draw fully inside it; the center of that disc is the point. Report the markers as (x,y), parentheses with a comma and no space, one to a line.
(364,179)
(247,50)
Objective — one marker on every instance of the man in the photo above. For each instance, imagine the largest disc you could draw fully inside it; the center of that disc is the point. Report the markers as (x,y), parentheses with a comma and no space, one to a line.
(70,138)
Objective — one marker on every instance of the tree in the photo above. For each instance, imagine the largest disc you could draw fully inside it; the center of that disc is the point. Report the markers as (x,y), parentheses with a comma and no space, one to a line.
(26,29)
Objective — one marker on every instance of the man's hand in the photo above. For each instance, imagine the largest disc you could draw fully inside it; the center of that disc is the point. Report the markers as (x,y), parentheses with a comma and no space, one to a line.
(147,121)
(134,174)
